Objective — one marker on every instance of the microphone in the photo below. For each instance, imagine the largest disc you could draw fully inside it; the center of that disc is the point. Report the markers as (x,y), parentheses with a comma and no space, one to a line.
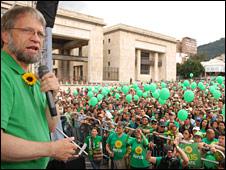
(42,70)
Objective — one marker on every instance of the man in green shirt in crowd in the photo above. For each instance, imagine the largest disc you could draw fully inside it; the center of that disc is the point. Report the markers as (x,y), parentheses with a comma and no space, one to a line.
(139,147)
(172,117)
(94,144)
(145,126)
(26,122)
(116,146)
(210,137)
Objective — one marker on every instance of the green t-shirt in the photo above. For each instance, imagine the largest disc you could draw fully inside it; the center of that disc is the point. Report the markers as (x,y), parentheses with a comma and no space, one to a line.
(138,153)
(22,111)
(118,145)
(207,141)
(93,144)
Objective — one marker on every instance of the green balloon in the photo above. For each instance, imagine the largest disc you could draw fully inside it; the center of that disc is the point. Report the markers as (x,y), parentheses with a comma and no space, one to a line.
(210,164)
(216,94)
(90,94)
(117,96)
(128,98)
(100,97)
(75,93)
(163,85)
(146,87)
(95,90)
(191,75)
(200,84)
(125,89)
(193,85)
(186,83)
(90,88)
(135,85)
(145,94)
(212,89)
(189,96)
(222,85)
(136,97)
(104,92)
(161,101)
(155,94)
(153,87)
(184,88)
(93,101)
(164,93)
(182,115)
(220,79)
(139,93)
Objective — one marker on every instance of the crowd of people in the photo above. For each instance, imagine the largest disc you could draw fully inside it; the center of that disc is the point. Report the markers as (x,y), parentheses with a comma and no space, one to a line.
(143,132)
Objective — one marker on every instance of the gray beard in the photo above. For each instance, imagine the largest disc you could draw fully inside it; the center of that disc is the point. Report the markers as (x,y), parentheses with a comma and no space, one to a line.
(22,56)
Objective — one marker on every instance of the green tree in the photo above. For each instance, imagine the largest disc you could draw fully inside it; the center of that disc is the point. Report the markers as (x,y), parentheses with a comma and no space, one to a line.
(190,66)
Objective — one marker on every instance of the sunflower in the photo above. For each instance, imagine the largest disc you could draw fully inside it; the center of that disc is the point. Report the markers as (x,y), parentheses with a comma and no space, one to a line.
(29,78)
(188,149)
(138,150)
(118,144)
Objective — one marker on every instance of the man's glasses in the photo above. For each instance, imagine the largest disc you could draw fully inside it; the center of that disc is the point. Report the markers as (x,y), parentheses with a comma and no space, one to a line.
(31,32)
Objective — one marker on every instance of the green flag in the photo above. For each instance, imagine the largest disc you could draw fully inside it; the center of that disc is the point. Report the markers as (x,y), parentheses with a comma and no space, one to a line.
(193,154)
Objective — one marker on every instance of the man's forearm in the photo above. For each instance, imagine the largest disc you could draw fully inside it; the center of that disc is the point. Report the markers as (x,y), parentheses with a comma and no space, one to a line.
(52,121)
(14,149)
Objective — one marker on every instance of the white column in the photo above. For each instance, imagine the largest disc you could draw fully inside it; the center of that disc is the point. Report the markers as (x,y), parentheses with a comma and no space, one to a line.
(138,63)
(156,66)
(150,73)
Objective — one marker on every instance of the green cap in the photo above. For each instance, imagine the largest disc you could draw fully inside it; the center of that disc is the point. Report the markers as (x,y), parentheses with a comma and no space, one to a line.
(198,134)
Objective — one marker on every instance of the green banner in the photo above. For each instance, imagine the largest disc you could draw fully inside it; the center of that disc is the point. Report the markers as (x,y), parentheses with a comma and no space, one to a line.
(193,154)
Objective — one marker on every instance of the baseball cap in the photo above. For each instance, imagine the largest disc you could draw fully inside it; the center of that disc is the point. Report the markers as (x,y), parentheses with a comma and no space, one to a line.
(154,120)
(198,134)
(146,116)
(196,128)
(198,119)
(172,113)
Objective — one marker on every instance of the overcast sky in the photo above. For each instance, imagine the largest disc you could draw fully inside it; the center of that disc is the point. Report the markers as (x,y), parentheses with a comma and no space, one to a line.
(203,21)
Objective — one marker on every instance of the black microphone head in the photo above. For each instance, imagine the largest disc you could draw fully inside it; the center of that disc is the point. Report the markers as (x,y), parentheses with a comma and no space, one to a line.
(42,70)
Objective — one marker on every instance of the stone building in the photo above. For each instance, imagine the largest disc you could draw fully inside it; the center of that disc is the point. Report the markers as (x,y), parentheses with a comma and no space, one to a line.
(186,48)
(131,52)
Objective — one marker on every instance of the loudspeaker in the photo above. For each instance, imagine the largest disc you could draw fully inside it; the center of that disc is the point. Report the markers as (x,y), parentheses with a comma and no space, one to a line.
(48,10)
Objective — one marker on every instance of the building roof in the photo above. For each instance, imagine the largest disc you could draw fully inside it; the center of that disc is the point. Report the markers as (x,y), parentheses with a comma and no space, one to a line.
(219,61)
(136,30)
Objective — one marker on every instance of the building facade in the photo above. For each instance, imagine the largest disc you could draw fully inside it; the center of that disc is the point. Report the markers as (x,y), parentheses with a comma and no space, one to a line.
(83,50)
(138,54)
(186,48)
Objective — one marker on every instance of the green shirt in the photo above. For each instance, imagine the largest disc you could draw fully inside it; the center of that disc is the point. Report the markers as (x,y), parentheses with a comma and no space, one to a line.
(138,153)
(22,111)
(93,144)
(118,145)
(207,141)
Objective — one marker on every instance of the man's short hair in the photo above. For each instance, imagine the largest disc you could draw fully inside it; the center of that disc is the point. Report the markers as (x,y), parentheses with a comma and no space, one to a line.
(11,16)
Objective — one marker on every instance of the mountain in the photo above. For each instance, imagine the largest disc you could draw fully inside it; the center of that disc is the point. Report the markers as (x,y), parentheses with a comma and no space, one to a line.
(212,49)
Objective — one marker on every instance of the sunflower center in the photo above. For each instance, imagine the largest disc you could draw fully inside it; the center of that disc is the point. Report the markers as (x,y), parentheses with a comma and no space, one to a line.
(30,79)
